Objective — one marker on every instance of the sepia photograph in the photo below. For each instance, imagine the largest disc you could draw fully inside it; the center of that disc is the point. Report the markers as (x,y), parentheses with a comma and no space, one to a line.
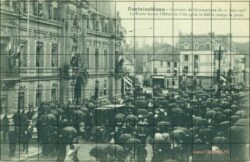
(124,80)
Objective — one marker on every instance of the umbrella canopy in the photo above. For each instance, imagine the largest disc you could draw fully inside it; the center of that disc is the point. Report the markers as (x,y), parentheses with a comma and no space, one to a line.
(143,112)
(59,110)
(178,135)
(98,150)
(211,113)
(217,140)
(227,111)
(69,131)
(119,118)
(133,141)
(199,120)
(163,123)
(48,118)
(113,148)
(225,123)
(54,112)
(84,110)
(234,118)
(241,113)
(131,118)
(125,137)
(177,110)
(242,122)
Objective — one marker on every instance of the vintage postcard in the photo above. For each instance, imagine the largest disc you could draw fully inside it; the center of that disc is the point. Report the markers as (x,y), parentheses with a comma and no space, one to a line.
(124,80)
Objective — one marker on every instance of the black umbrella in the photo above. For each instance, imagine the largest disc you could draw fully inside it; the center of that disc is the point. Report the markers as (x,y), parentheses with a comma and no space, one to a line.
(219,139)
(69,131)
(133,141)
(124,137)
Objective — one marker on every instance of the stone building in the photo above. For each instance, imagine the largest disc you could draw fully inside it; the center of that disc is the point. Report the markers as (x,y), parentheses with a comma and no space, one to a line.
(162,68)
(53,50)
(199,61)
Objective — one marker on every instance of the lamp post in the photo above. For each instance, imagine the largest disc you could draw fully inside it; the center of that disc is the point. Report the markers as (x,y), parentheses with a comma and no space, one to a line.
(218,55)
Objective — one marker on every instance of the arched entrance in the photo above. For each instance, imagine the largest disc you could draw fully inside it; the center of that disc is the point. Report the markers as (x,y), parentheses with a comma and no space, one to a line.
(80,83)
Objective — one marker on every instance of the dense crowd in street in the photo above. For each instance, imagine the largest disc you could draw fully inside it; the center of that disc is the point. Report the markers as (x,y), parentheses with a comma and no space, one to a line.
(179,125)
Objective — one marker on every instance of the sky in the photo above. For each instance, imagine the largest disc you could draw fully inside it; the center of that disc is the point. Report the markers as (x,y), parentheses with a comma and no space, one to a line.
(169,19)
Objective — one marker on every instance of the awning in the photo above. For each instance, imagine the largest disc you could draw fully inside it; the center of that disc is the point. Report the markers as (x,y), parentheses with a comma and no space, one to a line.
(223,78)
(158,77)
(128,81)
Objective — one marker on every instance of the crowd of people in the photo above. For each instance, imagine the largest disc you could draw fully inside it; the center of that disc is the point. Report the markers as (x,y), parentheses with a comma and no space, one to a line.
(175,124)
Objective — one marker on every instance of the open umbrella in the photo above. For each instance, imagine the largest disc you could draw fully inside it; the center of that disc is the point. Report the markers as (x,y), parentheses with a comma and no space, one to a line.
(99,152)
(234,118)
(227,112)
(133,141)
(143,112)
(242,122)
(225,123)
(119,118)
(241,113)
(177,111)
(69,131)
(124,137)
(131,118)
(178,135)
(163,125)
(211,113)
(59,110)
(112,149)
(84,110)
(219,139)
(48,118)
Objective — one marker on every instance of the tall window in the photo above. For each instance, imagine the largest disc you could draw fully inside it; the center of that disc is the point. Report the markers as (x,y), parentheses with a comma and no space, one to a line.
(207,46)
(175,73)
(23,54)
(168,64)
(196,57)
(173,82)
(21,98)
(97,58)
(54,55)
(105,59)
(39,95)
(40,9)
(39,54)
(87,23)
(106,27)
(155,70)
(186,57)
(105,88)
(185,69)
(161,63)
(54,92)
(175,64)
(97,25)
(87,58)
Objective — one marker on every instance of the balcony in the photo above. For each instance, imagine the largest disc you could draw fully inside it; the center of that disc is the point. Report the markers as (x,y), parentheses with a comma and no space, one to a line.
(38,72)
